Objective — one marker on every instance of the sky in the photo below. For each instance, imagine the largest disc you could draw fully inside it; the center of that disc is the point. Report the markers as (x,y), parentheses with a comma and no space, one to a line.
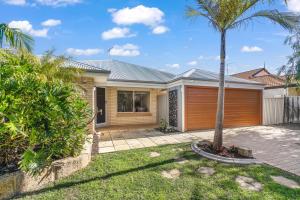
(152,33)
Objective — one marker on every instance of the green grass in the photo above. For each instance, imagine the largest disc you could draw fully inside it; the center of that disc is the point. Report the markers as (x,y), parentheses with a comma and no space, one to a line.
(134,175)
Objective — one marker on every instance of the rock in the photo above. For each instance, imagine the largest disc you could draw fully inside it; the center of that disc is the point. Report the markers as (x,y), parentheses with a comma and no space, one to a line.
(154,154)
(248,183)
(177,149)
(208,171)
(171,174)
(244,151)
(286,182)
(181,160)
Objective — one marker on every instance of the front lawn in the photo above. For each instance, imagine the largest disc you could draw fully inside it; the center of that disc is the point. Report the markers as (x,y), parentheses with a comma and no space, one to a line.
(135,175)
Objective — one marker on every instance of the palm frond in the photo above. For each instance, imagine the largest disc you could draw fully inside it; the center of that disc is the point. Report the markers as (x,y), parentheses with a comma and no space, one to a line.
(15,38)
(287,20)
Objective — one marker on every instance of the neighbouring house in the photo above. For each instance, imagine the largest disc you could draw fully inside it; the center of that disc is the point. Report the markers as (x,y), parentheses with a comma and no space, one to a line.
(275,86)
(128,94)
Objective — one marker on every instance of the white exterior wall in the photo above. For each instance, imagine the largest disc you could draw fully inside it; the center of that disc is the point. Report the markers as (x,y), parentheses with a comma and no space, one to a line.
(274,93)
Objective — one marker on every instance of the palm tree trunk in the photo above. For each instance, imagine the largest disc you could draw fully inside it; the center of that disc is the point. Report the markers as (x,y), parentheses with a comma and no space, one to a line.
(218,137)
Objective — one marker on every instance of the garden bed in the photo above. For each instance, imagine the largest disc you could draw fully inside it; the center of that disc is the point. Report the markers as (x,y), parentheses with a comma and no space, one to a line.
(229,155)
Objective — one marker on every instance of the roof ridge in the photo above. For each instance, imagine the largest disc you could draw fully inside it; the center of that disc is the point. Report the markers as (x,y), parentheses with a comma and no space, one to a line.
(261,68)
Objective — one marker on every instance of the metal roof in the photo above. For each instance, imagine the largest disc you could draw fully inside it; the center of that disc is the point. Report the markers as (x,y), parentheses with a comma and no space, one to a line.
(199,74)
(85,66)
(121,71)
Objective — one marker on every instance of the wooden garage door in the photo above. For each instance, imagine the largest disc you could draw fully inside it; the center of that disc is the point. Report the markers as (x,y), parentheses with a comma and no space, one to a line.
(242,107)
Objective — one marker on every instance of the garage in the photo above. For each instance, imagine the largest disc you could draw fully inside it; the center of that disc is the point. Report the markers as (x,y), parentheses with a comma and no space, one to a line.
(243,107)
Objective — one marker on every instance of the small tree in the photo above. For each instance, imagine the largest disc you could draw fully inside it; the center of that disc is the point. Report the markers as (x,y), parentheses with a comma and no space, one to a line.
(291,70)
(41,120)
(225,15)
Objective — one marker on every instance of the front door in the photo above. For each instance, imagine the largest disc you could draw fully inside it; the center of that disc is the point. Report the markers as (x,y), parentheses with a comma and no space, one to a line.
(100,93)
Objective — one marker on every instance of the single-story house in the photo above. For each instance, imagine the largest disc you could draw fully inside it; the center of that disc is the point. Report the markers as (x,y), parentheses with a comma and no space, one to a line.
(275,86)
(128,94)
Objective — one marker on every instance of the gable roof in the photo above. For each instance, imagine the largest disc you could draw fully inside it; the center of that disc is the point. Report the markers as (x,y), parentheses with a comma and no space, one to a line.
(250,74)
(269,80)
(121,71)
(199,74)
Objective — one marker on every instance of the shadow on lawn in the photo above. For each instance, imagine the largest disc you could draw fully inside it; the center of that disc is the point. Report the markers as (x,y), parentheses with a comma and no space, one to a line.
(107,176)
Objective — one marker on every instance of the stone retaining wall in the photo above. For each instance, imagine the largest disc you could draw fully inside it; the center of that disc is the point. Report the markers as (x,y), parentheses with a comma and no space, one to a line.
(19,182)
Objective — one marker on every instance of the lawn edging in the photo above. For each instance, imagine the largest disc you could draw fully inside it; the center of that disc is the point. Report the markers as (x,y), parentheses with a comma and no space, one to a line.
(19,182)
(245,161)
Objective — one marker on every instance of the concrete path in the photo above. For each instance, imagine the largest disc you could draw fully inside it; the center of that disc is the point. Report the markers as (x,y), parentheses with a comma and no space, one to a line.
(277,146)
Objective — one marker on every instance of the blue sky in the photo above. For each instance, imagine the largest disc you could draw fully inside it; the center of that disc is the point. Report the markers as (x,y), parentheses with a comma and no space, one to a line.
(150,33)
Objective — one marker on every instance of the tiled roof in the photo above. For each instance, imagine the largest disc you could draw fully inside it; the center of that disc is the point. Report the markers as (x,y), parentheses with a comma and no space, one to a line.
(248,74)
(198,74)
(269,80)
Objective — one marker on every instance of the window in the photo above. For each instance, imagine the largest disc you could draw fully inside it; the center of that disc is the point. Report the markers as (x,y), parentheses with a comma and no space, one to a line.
(130,101)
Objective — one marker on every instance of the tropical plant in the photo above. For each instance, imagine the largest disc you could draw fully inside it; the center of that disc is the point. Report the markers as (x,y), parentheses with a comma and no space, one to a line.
(15,38)
(291,70)
(41,120)
(225,15)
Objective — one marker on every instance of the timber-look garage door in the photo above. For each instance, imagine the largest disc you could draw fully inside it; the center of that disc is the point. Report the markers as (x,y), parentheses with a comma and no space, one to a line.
(243,107)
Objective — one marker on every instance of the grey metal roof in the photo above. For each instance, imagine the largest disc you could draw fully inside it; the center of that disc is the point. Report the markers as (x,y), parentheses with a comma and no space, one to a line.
(121,71)
(85,66)
(199,74)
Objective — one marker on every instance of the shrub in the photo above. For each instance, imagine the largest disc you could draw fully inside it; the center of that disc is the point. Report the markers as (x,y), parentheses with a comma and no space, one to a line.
(40,120)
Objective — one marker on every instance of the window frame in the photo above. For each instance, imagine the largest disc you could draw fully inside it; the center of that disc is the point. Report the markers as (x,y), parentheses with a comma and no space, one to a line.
(133,99)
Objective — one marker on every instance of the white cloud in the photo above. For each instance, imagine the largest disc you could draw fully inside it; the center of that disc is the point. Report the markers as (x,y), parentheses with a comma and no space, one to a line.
(175,65)
(192,63)
(138,15)
(83,52)
(117,33)
(294,5)
(124,50)
(249,49)
(58,3)
(148,16)
(26,27)
(51,22)
(15,2)
(160,29)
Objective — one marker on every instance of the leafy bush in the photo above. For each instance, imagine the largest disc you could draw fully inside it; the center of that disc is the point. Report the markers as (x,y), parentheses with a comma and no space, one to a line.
(40,119)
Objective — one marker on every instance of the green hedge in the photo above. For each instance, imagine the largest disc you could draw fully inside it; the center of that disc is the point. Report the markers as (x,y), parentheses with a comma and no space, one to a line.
(41,120)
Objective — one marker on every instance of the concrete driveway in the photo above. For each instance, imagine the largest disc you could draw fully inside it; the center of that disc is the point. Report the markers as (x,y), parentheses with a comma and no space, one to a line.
(275,145)
(278,146)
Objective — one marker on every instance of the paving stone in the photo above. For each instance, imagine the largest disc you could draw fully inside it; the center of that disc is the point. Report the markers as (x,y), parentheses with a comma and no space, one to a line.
(286,182)
(106,149)
(248,183)
(171,174)
(154,154)
(177,149)
(122,147)
(119,142)
(106,144)
(208,171)
(146,142)
(134,144)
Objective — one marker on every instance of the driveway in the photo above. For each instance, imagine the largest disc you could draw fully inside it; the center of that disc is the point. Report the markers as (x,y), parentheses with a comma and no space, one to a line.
(274,145)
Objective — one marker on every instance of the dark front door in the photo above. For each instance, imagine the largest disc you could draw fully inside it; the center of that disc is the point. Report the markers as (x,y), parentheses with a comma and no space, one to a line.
(100,93)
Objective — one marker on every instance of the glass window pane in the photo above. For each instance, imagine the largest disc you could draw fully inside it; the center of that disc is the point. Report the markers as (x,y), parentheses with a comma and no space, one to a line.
(141,101)
(125,101)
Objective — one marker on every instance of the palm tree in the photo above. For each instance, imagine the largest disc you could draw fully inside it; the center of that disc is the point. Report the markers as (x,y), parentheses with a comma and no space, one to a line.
(225,15)
(15,38)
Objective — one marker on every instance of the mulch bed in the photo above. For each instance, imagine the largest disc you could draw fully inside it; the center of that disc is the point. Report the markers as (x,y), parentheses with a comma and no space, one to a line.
(229,152)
